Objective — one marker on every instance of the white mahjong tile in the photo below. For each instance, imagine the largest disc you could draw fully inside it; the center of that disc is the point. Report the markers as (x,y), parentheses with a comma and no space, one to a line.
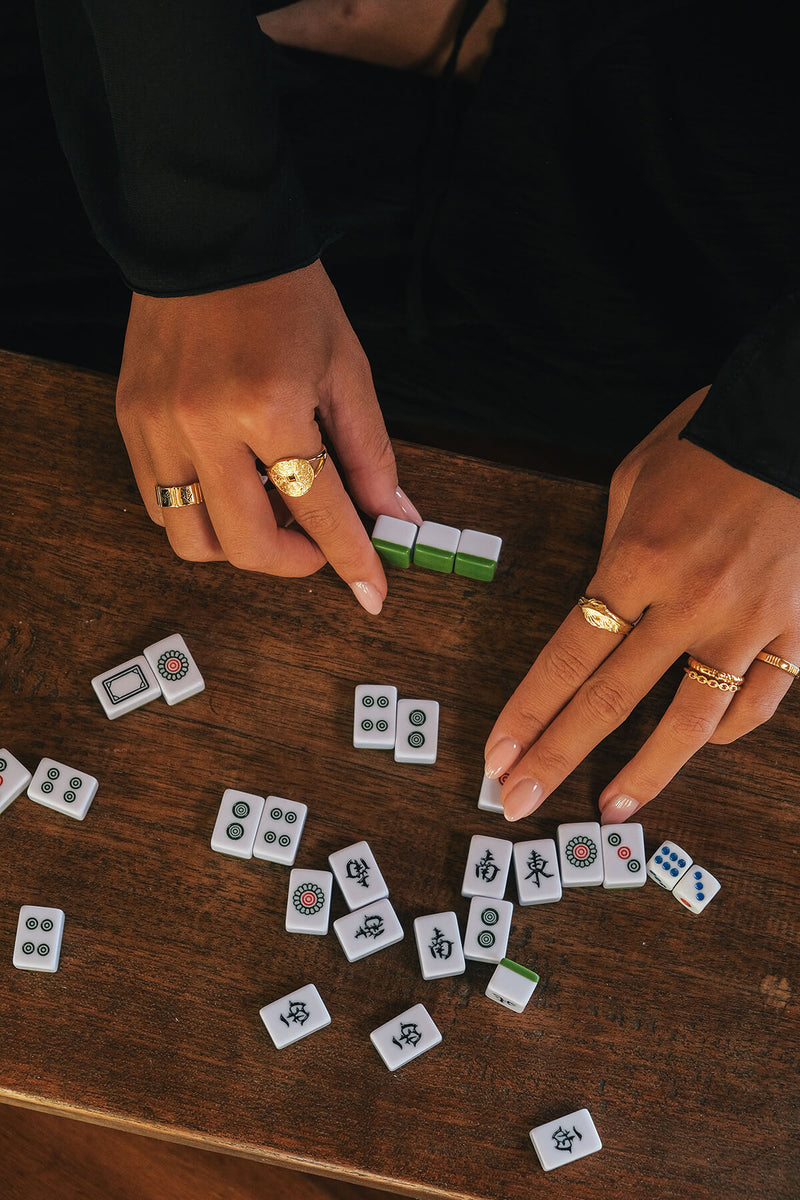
(486,871)
(39,933)
(358,875)
(308,904)
(668,864)
(374,716)
(368,929)
(278,834)
(126,687)
(579,853)
(488,927)
(512,985)
(174,668)
(624,864)
(295,1016)
(237,823)
(565,1140)
(405,1037)
(439,946)
(394,540)
(489,797)
(63,788)
(417,731)
(435,547)
(536,869)
(696,888)
(14,778)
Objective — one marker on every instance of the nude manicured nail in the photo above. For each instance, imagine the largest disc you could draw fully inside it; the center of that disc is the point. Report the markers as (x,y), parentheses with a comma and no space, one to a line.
(406,507)
(501,757)
(368,597)
(525,796)
(618,809)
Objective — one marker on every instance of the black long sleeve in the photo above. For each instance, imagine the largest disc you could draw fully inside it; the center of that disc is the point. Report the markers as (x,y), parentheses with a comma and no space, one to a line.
(168,121)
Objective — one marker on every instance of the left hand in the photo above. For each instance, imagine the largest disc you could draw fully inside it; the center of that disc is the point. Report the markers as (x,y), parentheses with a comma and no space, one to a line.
(709,559)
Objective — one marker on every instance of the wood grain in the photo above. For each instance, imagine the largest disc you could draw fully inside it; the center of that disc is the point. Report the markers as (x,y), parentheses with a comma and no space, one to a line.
(679,1033)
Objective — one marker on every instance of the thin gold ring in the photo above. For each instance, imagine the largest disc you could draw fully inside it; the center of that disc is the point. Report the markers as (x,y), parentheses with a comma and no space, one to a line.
(294,476)
(775,660)
(179,495)
(721,684)
(596,613)
(722,676)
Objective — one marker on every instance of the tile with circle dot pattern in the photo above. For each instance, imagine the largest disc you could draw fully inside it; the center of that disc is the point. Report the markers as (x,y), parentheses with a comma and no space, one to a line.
(696,888)
(39,934)
(579,854)
(308,903)
(175,669)
(279,830)
(237,823)
(62,788)
(668,864)
(624,859)
(374,716)
(488,927)
(14,778)
(417,739)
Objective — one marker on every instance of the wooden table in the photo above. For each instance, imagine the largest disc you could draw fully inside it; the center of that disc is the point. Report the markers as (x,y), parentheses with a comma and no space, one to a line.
(678,1032)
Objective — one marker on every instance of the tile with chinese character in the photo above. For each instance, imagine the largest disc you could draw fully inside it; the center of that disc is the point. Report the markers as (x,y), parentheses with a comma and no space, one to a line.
(486,871)
(565,1140)
(439,946)
(368,929)
(488,927)
(536,869)
(406,1037)
(308,905)
(358,875)
(295,1016)
(624,864)
(580,856)
(278,834)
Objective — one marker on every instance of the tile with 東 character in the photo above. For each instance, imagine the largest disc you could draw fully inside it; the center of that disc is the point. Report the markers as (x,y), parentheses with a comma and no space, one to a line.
(279,831)
(536,869)
(62,788)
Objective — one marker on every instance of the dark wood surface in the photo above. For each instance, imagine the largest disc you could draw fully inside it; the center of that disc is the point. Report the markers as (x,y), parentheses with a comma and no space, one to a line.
(678,1032)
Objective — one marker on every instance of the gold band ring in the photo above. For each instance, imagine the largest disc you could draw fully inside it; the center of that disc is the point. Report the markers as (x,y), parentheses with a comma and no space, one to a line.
(775,661)
(596,613)
(722,685)
(179,496)
(294,476)
(722,676)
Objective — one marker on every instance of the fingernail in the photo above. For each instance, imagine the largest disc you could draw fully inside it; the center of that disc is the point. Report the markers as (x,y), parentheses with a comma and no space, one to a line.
(368,597)
(406,507)
(618,809)
(526,796)
(501,757)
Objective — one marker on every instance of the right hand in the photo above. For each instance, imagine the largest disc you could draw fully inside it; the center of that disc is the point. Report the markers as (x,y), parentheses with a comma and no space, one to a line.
(210,382)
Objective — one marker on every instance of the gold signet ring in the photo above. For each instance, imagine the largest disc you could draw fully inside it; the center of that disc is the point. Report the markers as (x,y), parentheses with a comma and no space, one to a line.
(294,476)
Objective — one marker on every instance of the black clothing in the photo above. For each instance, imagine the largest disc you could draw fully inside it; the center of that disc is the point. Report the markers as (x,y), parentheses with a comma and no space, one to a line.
(612,209)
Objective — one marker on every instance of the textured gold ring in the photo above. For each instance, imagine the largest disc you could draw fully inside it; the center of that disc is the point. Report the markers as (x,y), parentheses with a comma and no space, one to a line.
(722,676)
(179,496)
(723,685)
(775,660)
(596,613)
(294,476)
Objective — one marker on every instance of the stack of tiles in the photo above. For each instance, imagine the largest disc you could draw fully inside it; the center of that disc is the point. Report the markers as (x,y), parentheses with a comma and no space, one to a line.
(382,722)
(442,548)
(372,923)
(164,669)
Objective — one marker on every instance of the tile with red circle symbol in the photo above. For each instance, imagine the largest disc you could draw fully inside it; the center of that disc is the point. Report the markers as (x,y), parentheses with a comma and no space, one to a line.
(579,853)
(624,859)
(14,778)
(174,668)
(308,905)
(489,796)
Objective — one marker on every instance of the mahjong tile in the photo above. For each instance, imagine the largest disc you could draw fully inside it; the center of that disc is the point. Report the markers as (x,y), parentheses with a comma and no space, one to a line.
(417,731)
(278,834)
(174,668)
(489,797)
(624,864)
(565,1140)
(358,875)
(368,929)
(488,927)
(536,869)
(237,823)
(477,554)
(579,853)
(696,888)
(63,788)
(668,865)
(405,1037)
(126,687)
(295,1016)
(512,985)
(39,933)
(308,904)
(374,716)
(439,946)
(14,778)
(394,540)
(435,547)
(486,872)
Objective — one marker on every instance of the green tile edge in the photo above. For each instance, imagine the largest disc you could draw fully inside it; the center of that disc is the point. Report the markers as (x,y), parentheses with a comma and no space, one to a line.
(473,567)
(523,971)
(390,552)
(434,559)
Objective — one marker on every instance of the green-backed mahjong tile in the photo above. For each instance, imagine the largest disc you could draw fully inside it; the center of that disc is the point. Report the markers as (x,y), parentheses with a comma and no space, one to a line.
(394,540)
(436,546)
(477,555)
(475,568)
